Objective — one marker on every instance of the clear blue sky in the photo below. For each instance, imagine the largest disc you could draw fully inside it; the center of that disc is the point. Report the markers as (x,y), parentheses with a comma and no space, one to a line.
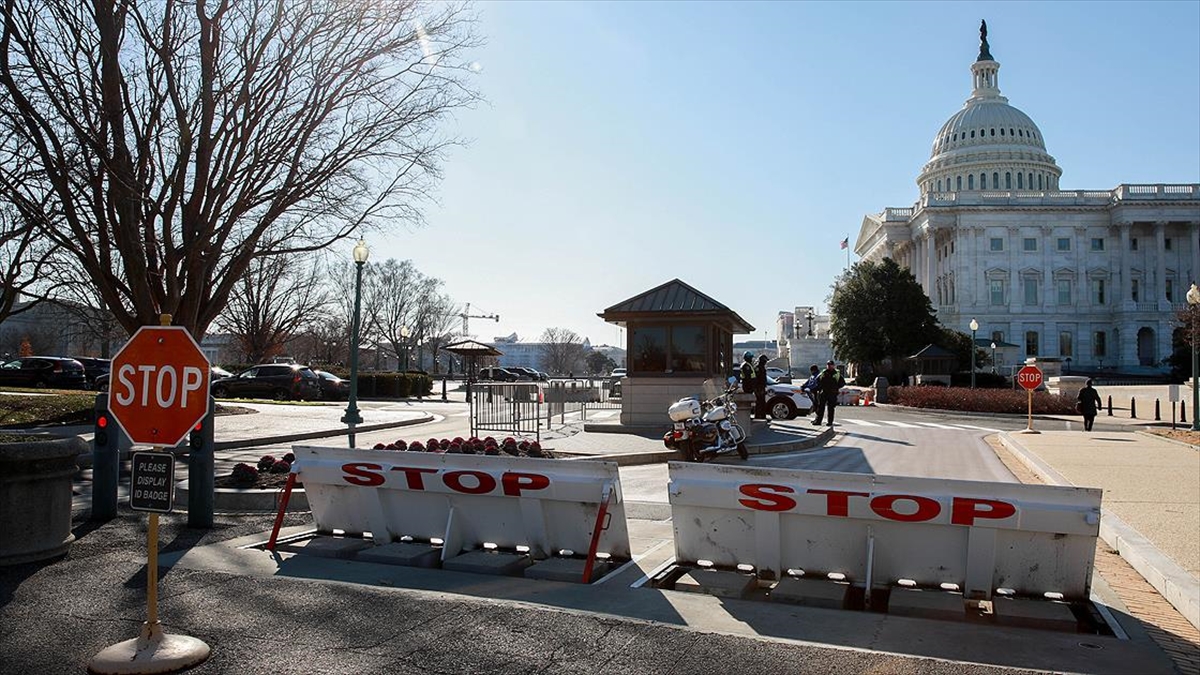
(734,145)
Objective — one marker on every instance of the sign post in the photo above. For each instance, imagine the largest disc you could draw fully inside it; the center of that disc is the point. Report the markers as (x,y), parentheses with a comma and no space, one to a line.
(158,392)
(1030,378)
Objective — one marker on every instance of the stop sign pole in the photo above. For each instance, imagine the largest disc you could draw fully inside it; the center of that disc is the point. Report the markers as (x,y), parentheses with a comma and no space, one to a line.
(154,651)
(1029,377)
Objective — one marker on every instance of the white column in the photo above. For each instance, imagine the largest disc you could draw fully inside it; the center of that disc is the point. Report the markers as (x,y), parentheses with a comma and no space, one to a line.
(1184,284)
(930,271)
(1160,269)
(1126,282)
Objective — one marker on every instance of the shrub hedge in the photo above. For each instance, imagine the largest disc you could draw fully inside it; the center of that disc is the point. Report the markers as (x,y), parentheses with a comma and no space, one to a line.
(981,400)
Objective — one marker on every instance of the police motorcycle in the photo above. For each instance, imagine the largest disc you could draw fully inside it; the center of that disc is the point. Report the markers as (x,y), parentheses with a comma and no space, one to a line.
(702,430)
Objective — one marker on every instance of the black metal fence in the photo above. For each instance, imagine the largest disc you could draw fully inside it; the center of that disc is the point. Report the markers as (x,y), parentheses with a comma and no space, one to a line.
(574,398)
(512,408)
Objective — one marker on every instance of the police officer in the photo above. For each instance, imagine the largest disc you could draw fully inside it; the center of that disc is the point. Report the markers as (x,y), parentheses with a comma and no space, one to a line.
(760,388)
(747,372)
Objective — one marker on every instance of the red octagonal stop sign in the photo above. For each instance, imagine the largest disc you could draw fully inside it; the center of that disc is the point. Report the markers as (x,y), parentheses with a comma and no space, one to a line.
(1029,377)
(158,385)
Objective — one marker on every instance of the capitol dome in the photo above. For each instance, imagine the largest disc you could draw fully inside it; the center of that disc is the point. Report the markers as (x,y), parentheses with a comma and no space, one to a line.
(989,144)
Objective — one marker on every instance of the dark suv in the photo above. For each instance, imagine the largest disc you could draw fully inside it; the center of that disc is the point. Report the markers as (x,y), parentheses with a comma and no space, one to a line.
(93,368)
(500,375)
(43,371)
(280,381)
(532,374)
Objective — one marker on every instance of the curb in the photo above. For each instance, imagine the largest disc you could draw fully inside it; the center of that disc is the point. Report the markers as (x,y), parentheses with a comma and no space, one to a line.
(1166,576)
(329,433)
(1168,440)
(660,456)
(238,500)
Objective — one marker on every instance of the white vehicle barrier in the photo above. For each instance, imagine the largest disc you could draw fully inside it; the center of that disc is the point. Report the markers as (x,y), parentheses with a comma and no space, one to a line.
(466,500)
(878,530)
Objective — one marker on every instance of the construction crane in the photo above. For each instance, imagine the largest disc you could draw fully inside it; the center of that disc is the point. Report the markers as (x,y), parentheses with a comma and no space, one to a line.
(466,314)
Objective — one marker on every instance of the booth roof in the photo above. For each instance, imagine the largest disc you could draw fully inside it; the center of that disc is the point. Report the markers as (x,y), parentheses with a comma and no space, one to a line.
(472,348)
(674,298)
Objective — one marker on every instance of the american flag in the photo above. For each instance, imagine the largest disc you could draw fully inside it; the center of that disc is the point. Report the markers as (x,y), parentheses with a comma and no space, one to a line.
(846,242)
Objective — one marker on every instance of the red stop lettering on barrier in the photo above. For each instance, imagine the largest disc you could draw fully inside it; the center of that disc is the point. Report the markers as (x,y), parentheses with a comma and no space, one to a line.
(512,483)
(963,510)
(767,500)
(927,509)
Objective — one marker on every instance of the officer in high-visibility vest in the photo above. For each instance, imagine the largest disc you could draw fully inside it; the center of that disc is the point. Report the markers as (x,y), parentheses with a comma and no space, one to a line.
(747,372)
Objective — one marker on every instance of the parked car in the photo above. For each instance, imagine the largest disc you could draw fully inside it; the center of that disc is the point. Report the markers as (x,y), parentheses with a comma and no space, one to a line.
(531,373)
(43,371)
(92,368)
(500,375)
(215,373)
(280,381)
(333,388)
(785,400)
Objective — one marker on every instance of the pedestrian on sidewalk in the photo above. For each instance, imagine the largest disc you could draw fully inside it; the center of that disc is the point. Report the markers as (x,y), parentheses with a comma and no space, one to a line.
(1088,404)
(830,384)
(760,388)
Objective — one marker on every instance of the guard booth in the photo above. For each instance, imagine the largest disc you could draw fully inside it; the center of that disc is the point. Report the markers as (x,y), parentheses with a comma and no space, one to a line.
(676,338)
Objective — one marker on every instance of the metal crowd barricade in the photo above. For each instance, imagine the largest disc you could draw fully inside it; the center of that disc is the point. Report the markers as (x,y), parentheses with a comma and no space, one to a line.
(577,396)
(513,408)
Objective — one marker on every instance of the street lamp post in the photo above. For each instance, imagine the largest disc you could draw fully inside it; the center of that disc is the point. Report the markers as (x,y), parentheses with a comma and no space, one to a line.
(404,335)
(810,316)
(352,416)
(974,327)
(1193,298)
(993,358)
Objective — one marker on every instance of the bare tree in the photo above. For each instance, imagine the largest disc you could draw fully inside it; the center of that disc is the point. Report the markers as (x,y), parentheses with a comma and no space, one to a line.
(27,261)
(271,303)
(167,146)
(391,299)
(562,351)
(441,325)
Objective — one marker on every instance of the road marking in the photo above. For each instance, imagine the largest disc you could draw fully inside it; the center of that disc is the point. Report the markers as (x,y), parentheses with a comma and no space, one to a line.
(935,425)
(862,422)
(972,426)
(904,425)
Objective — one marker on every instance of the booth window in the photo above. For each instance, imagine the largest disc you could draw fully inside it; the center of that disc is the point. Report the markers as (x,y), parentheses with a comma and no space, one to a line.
(661,349)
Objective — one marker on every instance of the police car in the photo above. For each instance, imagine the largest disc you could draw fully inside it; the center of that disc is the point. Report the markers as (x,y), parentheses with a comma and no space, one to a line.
(786,401)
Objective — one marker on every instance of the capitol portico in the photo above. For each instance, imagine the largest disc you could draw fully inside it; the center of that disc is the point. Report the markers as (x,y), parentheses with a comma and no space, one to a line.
(1094,275)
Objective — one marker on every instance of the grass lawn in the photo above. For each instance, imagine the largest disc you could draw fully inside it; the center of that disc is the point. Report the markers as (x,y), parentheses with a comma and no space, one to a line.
(60,407)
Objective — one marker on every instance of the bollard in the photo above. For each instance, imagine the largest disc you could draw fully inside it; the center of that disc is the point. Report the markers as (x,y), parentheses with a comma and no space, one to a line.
(106,463)
(1157,416)
(201,471)
(443,389)
(1110,405)
(1182,412)
(1132,408)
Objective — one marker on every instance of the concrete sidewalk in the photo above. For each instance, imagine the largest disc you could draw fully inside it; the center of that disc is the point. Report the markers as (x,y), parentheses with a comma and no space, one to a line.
(1151,504)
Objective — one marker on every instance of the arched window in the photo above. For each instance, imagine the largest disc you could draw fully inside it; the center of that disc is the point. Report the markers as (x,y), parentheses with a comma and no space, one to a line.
(983,181)
(958,182)
(1021,133)
(993,132)
(971,182)
(1020,181)
(956,137)
(1001,131)
(972,133)
(1031,180)
(939,185)
(1007,180)
(995,180)
(1040,182)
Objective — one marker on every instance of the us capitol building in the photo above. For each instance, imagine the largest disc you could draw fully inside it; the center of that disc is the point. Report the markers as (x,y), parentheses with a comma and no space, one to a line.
(1093,275)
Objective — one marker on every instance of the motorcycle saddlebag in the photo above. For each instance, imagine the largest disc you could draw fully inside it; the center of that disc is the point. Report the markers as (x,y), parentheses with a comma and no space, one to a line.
(684,409)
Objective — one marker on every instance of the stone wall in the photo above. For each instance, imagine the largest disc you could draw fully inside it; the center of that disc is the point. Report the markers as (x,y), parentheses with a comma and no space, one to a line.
(644,400)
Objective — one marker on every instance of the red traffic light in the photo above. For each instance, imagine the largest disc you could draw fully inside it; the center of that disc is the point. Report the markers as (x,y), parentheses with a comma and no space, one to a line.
(198,425)
(102,421)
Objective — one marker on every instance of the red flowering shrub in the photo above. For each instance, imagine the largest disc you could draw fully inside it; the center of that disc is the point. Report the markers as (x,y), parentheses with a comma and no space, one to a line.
(289,458)
(265,462)
(416,446)
(981,400)
(281,467)
(244,474)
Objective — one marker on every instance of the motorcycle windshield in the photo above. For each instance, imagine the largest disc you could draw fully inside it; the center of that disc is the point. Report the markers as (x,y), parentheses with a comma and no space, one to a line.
(713,387)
